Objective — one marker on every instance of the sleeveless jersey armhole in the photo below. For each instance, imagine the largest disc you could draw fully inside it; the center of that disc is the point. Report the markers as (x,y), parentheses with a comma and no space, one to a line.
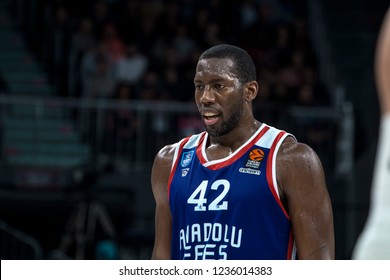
(178,147)
(272,181)
(271,167)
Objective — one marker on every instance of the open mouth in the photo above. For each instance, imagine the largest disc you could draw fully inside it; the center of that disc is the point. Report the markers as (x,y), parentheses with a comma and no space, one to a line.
(210,119)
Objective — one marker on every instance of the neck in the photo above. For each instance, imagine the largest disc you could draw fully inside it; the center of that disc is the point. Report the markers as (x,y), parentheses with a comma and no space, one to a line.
(231,141)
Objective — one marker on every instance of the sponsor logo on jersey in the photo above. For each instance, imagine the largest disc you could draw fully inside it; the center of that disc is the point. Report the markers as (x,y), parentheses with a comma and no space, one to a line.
(184,172)
(186,158)
(209,241)
(249,171)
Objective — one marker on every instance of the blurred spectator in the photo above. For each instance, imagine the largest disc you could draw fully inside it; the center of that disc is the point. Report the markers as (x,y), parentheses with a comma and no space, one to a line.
(100,83)
(276,10)
(300,35)
(171,80)
(82,40)
(183,44)
(97,73)
(57,47)
(121,125)
(115,45)
(146,35)
(248,13)
(101,16)
(212,36)
(150,87)
(132,67)
(282,45)
(189,125)
(306,96)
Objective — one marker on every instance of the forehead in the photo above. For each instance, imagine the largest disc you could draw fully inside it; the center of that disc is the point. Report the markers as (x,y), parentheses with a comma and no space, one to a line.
(215,67)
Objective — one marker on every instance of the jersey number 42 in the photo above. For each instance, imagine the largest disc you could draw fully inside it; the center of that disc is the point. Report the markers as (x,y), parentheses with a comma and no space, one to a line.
(198,197)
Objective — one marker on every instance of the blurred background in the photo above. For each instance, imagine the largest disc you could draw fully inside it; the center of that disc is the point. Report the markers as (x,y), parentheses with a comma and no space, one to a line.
(91,90)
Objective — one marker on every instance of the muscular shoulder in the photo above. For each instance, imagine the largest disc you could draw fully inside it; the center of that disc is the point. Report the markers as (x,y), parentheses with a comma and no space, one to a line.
(165,155)
(291,151)
(161,170)
(298,166)
(163,160)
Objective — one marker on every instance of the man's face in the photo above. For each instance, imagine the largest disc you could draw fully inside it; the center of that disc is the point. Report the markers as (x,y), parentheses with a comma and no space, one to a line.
(218,95)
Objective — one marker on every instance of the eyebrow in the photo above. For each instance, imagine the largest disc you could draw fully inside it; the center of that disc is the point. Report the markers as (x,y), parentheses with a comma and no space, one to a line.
(213,80)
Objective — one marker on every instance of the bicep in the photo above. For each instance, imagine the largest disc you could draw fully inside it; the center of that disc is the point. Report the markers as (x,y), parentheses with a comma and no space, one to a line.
(163,221)
(308,204)
(162,240)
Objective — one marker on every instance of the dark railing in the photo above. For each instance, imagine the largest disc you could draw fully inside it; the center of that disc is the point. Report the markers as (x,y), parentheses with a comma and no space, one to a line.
(16,245)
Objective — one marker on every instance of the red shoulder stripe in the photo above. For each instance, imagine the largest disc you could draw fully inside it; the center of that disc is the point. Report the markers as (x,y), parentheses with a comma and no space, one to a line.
(180,148)
(270,169)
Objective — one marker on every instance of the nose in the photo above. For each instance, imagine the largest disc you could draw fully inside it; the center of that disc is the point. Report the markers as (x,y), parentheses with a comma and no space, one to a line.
(207,96)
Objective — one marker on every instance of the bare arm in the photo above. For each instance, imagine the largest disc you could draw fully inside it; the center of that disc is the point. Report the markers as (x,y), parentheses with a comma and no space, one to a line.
(163,219)
(304,193)
(382,64)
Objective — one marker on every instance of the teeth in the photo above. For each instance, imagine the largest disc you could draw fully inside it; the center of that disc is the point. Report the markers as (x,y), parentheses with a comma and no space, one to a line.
(209,115)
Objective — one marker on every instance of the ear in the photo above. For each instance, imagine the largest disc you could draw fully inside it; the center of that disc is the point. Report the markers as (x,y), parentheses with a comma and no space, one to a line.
(251,89)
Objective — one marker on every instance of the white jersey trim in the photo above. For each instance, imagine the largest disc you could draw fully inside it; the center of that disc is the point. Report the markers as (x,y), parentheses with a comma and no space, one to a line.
(192,142)
(212,162)
(275,182)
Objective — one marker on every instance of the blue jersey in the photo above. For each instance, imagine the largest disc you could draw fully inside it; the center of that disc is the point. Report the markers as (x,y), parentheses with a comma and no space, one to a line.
(229,208)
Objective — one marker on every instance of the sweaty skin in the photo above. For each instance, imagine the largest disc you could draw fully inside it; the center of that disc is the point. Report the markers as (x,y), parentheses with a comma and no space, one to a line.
(225,106)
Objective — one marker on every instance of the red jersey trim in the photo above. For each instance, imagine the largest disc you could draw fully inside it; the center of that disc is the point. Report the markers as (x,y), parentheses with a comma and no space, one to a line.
(230,160)
(270,167)
(290,246)
(173,170)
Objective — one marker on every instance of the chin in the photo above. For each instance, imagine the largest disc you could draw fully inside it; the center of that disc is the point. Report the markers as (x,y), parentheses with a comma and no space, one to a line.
(215,132)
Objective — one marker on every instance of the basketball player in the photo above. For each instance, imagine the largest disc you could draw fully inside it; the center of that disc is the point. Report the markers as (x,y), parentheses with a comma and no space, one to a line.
(241,189)
(374,242)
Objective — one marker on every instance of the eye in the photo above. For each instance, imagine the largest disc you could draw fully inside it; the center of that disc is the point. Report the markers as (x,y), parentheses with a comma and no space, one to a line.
(199,87)
(219,86)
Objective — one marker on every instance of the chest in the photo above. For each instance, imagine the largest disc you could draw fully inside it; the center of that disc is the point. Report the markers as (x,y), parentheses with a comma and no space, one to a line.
(238,183)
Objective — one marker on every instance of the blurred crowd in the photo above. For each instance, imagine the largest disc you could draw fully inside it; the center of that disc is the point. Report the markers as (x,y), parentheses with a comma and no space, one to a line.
(147,50)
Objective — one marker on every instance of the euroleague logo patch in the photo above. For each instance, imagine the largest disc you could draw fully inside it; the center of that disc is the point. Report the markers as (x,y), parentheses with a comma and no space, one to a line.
(186,158)
(254,159)
(256,155)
